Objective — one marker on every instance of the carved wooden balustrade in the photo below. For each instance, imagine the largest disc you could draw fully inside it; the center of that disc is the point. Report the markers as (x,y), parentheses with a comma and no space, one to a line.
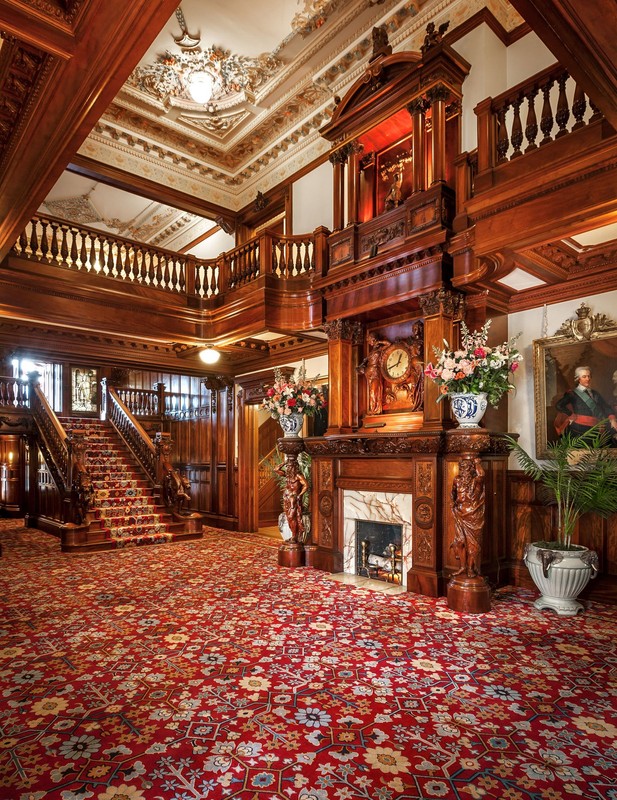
(59,243)
(64,455)
(133,434)
(141,402)
(536,112)
(13,393)
(84,249)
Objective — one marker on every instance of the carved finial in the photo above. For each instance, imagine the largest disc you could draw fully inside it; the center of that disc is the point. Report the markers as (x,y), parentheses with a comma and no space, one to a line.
(381,46)
(261,202)
(434,36)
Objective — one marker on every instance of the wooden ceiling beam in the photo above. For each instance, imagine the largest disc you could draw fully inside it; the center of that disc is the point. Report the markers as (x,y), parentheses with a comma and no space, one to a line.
(49,34)
(135,184)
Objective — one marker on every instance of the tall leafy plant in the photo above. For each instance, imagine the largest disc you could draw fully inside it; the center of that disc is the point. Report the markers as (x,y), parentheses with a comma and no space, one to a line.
(580,473)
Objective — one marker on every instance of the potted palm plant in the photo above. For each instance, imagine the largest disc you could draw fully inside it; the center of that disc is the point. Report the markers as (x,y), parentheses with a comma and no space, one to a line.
(579,475)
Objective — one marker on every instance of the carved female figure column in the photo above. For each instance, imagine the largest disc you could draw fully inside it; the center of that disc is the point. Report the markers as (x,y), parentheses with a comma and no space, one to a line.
(467,589)
(291,553)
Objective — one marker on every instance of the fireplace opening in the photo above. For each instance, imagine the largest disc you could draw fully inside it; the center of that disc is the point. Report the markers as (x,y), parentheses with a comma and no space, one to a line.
(379,552)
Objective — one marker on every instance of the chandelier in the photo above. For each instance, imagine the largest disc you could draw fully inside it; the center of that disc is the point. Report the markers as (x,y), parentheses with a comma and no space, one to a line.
(201,76)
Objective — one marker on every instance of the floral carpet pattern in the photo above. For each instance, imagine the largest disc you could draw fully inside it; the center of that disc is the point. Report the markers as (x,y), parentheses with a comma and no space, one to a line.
(204,670)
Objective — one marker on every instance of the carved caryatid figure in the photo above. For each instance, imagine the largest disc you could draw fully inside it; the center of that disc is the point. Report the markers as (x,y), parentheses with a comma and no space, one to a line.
(371,369)
(295,488)
(468,512)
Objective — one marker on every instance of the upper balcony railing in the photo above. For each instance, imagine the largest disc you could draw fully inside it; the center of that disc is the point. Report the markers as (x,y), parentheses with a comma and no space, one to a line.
(105,255)
(540,110)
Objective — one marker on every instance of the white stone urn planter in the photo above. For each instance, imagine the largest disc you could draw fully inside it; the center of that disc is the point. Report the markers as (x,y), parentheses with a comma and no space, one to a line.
(560,576)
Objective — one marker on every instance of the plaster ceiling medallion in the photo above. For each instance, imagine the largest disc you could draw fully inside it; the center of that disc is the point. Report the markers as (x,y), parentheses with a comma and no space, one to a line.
(77,209)
(196,77)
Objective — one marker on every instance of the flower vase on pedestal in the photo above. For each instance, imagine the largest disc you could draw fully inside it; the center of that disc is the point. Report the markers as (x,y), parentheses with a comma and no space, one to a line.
(291,425)
(467,408)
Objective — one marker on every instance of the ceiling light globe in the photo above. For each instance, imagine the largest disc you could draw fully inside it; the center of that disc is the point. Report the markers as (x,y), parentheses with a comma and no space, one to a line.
(209,355)
(200,86)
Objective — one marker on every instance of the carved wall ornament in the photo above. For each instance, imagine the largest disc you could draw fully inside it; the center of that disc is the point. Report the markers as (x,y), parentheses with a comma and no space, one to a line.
(423,513)
(439,93)
(423,549)
(383,235)
(419,105)
(344,329)
(424,479)
(325,475)
(443,301)
(325,532)
(586,326)
(326,504)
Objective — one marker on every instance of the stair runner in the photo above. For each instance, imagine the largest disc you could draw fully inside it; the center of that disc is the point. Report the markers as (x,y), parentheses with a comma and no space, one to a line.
(125,510)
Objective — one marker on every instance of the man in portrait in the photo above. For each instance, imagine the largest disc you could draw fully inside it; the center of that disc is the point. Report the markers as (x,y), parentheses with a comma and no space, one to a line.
(582,407)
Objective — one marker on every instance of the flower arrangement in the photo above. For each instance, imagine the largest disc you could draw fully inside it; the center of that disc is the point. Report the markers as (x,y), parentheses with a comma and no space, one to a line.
(293,396)
(476,367)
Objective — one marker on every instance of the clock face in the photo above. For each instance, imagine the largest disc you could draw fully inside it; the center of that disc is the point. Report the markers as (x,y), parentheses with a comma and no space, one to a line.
(396,363)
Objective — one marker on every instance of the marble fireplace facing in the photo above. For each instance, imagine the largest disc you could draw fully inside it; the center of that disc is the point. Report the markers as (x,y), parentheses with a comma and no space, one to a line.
(383,507)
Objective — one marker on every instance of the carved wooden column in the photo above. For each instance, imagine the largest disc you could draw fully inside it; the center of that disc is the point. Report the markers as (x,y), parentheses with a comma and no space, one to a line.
(338,208)
(353,183)
(292,552)
(344,336)
(438,96)
(467,590)
(441,308)
(417,109)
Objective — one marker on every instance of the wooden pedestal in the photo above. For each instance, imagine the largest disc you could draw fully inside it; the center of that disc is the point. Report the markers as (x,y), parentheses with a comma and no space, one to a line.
(469,595)
(291,554)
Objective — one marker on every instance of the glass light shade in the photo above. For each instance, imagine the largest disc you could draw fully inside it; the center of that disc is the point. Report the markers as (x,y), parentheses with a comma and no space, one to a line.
(209,355)
(201,86)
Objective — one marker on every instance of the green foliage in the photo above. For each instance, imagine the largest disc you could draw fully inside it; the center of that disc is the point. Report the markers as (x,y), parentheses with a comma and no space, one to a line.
(580,473)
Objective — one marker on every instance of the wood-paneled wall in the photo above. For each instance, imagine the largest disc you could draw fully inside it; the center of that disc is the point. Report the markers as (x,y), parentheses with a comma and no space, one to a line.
(530,520)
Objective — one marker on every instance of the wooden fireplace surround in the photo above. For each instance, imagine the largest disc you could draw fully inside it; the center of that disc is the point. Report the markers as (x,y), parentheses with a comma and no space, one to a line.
(423,464)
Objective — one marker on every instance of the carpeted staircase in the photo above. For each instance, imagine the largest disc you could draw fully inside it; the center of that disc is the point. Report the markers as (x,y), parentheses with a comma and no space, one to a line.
(125,511)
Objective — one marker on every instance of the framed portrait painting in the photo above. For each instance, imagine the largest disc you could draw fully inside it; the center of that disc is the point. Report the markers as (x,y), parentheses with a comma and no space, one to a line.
(589,340)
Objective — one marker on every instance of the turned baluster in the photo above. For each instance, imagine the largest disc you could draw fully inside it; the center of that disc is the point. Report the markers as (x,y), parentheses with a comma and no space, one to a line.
(503,143)
(74,254)
(579,106)
(83,253)
(308,257)
(563,111)
(517,129)
(597,114)
(54,236)
(531,128)
(111,261)
(159,273)
(34,242)
(23,242)
(93,257)
(137,267)
(546,120)
(44,246)
(282,260)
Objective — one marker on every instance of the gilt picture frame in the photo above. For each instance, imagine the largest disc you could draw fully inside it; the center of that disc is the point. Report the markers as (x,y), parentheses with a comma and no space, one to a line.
(587,340)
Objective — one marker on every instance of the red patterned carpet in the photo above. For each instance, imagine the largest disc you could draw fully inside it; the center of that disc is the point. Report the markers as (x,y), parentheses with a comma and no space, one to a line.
(203,670)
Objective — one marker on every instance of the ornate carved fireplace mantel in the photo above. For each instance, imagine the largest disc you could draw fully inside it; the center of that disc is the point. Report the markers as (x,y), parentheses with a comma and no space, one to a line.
(422,465)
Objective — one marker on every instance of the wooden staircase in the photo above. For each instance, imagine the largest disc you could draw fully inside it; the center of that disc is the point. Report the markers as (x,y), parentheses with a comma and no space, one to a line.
(125,510)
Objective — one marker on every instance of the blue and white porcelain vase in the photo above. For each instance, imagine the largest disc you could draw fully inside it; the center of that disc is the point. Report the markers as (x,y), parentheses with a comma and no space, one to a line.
(468,409)
(291,425)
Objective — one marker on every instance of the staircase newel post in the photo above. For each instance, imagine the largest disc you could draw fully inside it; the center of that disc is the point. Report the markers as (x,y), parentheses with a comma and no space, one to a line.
(103,398)
(160,391)
(163,444)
